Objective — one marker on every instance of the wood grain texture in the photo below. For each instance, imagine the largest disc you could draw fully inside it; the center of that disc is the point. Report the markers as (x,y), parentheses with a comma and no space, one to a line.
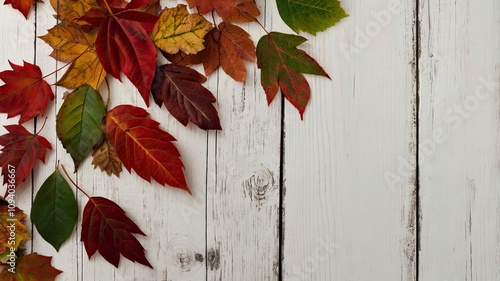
(459,137)
(345,218)
(243,176)
(330,198)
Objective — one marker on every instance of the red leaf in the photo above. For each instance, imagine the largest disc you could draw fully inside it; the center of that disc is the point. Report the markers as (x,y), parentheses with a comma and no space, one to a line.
(282,65)
(24,6)
(144,147)
(179,88)
(31,267)
(25,92)
(123,44)
(226,46)
(20,150)
(106,228)
(228,10)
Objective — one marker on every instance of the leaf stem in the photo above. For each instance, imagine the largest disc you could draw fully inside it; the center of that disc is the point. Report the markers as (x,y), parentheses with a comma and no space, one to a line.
(43,125)
(109,93)
(257,21)
(53,72)
(109,8)
(77,187)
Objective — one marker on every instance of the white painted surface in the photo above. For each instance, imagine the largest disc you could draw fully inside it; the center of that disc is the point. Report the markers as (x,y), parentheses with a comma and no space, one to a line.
(459,174)
(348,181)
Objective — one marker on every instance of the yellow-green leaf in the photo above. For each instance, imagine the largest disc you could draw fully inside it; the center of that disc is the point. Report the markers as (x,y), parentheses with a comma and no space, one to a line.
(177,30)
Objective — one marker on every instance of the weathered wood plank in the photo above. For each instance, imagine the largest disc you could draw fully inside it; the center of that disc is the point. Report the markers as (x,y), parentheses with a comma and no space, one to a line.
(243,181)
(459,137)
(16,44)
(345,218)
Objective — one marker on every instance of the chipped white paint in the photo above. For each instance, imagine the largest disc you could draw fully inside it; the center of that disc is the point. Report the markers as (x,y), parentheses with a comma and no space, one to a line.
(346,174)
(459,122)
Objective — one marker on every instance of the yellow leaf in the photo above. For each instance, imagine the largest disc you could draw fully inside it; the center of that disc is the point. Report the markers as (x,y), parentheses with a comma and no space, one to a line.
(105,157)
(71,10)
(71,44)
(12,225)
(85,70)
(176,30)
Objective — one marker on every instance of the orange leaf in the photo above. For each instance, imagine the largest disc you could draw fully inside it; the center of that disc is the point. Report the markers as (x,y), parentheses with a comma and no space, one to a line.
(32,267)
(24,6)
(7,217)
(144,147)
(71,10)
(226,46)
(228,10)
(70,43)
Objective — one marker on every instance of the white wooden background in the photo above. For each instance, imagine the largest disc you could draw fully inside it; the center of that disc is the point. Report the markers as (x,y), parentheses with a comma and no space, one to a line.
(339,196)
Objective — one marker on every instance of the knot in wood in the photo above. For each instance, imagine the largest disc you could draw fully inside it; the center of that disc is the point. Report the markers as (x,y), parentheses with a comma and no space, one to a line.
(258,186)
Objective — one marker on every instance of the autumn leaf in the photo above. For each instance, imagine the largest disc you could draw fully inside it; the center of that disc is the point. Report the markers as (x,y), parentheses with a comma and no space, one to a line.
(310,16)
(123,44)
(282,65)
(24,93)
(228,10)
(106,158)
(32,267)
(71,10)
(106,228)
(71,44)
(179,88)
(11,221)
(226,46)
(177,30)
(55,211)
(144,147)
(20,151)
(24,6)
(78,122)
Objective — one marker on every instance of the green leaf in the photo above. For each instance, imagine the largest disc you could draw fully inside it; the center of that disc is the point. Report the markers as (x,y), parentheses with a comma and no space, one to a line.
(282,65)
(78,122)
(310,15)
(55,211)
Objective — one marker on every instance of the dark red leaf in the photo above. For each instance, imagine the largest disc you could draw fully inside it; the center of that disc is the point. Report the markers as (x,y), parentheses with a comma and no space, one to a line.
(144,147)
(20,150)
(179,88)
(25,92)
(106,228)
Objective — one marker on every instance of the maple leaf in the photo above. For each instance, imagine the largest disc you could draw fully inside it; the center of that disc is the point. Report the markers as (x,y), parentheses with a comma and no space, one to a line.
(105,157)
(228,10)
(24,93)
(7,217)
(123,45)
(72,10)
(78,122)
(71,44)
(54,211)
(106,228)
(32,267)
(177,30)
(282,65)
(179,88)
(20,151)
(226,46)
(144,147)
(24,6)
(310,16)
